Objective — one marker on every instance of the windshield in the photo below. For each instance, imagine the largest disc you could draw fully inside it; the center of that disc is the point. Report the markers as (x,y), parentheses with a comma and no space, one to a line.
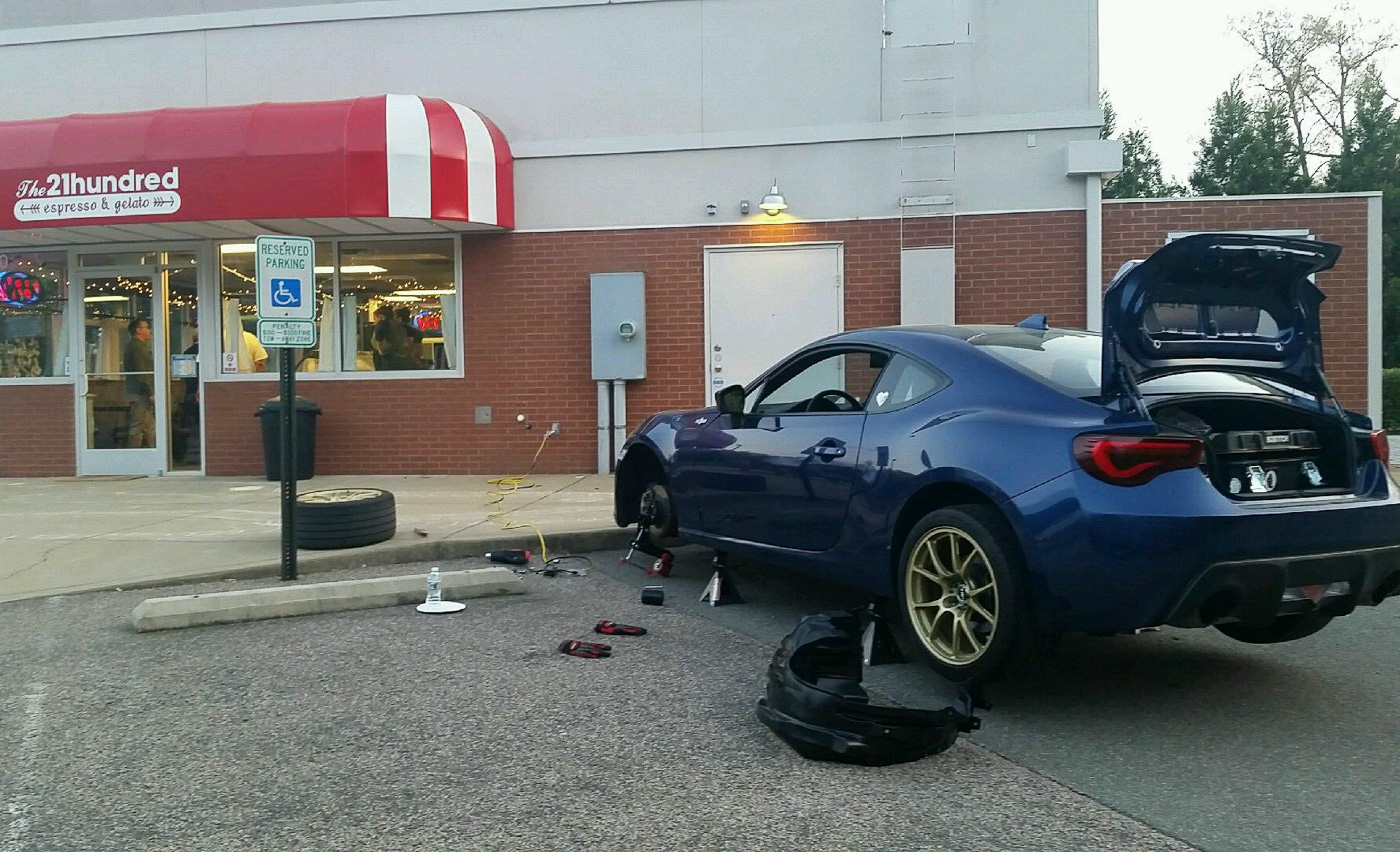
(1070,363)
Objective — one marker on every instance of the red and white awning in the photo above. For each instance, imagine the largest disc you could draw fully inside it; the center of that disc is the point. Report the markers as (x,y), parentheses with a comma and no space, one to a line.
(389,163)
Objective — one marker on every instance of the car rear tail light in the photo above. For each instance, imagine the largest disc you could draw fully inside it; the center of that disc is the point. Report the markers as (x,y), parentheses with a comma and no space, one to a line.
(1121,460)
(1381,444)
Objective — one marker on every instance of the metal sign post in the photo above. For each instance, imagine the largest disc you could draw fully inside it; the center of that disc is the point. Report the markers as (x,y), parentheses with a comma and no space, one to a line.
(286,320)
(288,381)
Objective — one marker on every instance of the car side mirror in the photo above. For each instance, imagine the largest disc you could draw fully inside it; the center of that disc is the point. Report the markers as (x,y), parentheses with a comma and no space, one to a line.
(730,400)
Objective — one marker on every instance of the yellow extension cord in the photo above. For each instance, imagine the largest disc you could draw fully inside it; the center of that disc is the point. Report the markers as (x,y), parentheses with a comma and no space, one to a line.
(508,485)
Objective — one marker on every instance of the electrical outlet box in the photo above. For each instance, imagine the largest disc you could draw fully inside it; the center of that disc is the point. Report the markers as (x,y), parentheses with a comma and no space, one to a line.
(554,428)
(483,415)
(619,313)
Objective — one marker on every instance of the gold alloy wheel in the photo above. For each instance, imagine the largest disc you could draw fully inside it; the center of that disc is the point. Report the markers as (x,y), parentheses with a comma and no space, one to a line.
(339,495)
(951,596)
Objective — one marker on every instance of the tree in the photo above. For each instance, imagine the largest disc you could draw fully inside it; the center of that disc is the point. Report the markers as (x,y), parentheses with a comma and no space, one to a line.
(1248,150)
(1371,161)
(1310,68)
(1110,117)
(1141,176)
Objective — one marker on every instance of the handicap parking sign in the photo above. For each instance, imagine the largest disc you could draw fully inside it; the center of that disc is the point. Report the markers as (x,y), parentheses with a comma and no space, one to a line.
(286,278)
(286,292)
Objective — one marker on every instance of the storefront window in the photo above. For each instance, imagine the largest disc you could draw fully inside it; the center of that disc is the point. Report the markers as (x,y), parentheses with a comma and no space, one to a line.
(398,305)
(33,308)
(397,308)
(240,351)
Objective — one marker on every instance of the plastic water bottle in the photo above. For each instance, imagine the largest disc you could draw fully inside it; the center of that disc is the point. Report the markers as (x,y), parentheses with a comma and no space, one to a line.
(434,586)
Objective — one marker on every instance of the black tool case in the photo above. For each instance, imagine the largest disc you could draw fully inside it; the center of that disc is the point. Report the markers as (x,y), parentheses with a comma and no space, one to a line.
(1270,464)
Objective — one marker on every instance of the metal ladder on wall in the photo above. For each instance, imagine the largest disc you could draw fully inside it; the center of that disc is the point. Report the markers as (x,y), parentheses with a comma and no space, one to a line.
(922,40)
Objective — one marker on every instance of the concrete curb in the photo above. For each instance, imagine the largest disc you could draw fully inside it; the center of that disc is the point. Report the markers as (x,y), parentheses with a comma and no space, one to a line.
(443,550)
(174,613)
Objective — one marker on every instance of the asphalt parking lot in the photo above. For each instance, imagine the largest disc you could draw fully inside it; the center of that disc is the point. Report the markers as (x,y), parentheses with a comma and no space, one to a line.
(1224,745)
(389,730)
(385,730)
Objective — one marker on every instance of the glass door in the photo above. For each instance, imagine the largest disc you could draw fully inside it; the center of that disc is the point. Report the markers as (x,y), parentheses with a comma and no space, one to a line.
(122,383)
(181,334)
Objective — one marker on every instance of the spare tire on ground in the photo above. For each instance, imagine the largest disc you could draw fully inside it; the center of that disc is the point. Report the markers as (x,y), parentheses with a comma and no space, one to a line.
(344,517)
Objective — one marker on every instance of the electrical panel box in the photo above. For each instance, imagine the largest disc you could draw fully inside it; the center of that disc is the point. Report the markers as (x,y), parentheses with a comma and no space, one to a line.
(619,306)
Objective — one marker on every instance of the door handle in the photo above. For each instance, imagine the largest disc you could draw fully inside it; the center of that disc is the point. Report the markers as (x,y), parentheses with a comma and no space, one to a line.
(827,450)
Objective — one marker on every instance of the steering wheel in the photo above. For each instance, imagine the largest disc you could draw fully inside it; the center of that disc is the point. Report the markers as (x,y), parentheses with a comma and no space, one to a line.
(832,399)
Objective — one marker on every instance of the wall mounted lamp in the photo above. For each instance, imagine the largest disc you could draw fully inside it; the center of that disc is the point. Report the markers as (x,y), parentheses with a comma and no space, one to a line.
(773,203)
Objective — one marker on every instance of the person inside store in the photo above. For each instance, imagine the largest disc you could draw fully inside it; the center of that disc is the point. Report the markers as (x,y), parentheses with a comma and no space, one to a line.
(415,338)
(252,356)
(139,365)
(389,341)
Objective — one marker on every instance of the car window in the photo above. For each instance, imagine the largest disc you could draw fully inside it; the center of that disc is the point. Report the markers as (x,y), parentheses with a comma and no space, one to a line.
(828,382)
(905,381)
(1071,362)
(1068,362)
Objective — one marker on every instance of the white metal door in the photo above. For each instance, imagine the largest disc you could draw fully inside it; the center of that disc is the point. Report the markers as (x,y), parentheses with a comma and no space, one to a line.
(121,376)
(764,302)
(926,292)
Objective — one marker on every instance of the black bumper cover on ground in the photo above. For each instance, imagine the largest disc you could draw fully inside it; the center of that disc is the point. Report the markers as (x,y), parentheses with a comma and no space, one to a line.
(816,704)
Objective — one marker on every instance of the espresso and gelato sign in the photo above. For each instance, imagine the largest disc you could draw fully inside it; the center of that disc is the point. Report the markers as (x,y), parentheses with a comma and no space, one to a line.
(69,195)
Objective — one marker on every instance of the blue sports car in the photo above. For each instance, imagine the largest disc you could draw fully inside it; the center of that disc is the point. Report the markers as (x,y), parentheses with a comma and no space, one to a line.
(993,484)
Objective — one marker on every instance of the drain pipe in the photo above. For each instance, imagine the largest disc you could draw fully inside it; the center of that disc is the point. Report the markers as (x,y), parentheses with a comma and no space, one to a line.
(604,430)
(619,418)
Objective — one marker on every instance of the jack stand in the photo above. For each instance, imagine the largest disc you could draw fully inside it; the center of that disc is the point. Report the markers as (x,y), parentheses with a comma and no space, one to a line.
(721,590)
(877,643)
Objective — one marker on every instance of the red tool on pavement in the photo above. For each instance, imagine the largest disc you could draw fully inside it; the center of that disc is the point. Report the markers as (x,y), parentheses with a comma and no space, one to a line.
(587,650)
(612,628)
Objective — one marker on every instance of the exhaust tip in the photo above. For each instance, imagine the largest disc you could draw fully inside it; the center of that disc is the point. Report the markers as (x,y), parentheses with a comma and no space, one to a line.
(1220,605)
(1387,587)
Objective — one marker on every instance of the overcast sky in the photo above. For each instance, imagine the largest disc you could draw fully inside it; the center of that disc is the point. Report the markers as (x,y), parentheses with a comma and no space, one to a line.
(1163,64)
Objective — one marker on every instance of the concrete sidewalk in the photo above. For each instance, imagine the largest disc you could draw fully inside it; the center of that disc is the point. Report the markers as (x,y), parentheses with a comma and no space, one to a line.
(80,534)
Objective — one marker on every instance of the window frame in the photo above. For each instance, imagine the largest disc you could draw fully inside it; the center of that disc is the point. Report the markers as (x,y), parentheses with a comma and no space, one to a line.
(68,321)
(817,354)
(944,382)
(340,374)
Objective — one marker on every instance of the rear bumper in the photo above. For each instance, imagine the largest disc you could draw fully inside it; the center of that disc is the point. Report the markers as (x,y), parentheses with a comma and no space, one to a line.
(1256,591)
(1107,559)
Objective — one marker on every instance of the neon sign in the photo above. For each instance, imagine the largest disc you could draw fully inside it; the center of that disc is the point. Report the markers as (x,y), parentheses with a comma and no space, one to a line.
(18,290)
(428,321)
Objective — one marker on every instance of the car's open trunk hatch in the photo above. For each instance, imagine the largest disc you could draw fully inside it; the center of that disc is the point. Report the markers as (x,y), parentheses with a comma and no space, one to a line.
(1260,450)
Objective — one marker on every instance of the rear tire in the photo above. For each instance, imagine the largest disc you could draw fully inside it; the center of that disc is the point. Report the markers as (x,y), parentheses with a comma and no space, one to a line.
(1285,628)
(961,605)
(344,517)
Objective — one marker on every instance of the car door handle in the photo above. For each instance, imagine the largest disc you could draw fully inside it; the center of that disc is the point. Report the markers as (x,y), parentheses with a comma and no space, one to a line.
(826,452)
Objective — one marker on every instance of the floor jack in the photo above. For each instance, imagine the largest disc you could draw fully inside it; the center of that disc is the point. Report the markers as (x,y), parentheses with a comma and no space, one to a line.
(721,590)
(642,543)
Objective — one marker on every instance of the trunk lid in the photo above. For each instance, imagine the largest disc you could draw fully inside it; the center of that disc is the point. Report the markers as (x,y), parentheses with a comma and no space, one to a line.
(1240,303)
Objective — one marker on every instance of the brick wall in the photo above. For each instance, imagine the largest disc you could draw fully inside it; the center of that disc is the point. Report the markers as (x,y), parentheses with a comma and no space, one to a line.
(526,333)
(36,431)
(1135,229)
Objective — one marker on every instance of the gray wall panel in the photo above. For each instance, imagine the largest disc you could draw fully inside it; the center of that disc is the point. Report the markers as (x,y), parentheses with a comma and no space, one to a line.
(635,113)
(112,75)
(765,66)
(540,74)
(837,181)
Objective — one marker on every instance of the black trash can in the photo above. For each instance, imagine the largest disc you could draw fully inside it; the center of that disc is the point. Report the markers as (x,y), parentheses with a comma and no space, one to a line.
(270,413)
